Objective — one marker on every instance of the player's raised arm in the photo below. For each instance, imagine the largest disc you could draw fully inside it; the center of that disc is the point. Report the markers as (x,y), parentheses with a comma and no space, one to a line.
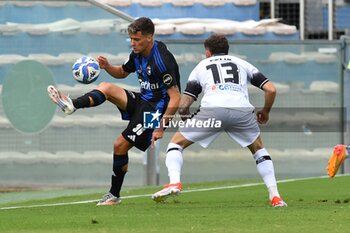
(114,71)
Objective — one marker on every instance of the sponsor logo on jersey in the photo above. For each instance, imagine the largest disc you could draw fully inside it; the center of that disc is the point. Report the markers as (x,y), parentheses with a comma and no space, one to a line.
(148,86)
(225,87)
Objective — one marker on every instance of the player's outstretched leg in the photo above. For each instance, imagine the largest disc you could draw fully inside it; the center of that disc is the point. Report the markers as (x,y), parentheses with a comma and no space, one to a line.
(167,191)
(62,101)
(337,158)
(266,170)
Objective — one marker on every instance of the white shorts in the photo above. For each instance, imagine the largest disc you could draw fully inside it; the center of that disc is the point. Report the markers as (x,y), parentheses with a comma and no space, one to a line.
(204,127)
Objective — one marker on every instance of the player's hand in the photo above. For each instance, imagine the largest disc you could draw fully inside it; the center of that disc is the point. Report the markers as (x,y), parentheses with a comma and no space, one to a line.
(157,134)
(262,116)
(103,62)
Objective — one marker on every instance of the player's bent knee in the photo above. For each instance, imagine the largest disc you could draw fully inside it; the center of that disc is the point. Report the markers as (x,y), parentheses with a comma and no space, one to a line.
(109,89)
(256,145)
(121,146)
(179,139)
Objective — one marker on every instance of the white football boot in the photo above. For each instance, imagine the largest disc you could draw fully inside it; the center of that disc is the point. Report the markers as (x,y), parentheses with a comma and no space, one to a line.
(109,199)
(62,101)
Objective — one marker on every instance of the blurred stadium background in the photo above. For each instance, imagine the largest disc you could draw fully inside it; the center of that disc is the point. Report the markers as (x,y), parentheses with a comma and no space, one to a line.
(301,45)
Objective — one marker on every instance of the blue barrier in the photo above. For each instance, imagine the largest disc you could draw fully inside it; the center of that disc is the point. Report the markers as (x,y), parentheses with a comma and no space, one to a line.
(39,13)
(167,10)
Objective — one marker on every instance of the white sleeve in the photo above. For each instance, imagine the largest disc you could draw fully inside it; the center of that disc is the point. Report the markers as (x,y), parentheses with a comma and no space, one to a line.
(251,70)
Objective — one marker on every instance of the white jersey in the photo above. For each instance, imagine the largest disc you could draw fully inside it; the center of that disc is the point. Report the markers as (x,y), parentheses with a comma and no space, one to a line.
(224,80)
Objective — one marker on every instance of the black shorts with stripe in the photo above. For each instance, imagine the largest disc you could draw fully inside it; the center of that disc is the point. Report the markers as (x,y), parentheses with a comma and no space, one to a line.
(135,133)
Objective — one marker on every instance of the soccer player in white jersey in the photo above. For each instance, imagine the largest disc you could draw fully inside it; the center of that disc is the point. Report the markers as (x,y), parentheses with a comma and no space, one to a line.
(223,79)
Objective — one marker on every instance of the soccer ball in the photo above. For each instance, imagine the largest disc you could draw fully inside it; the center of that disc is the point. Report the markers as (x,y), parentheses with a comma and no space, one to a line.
(86,70)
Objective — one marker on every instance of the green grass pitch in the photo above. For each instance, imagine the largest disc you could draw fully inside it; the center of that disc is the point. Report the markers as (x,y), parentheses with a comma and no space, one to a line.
(314,205)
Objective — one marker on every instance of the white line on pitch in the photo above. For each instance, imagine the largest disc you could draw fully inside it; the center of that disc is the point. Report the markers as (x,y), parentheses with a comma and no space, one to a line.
(148,195)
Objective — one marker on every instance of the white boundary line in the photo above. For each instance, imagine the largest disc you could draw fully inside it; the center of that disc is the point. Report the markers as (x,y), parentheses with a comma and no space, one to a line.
(148,195)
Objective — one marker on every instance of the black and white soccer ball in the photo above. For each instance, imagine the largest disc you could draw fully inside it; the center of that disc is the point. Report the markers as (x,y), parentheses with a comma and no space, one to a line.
(86,70)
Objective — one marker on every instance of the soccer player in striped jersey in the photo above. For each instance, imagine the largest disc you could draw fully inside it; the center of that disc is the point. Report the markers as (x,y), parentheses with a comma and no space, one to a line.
(159,78)
(223,79)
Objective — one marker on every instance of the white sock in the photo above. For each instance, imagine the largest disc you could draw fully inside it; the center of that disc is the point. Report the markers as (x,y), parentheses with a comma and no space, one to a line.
(174,162)
(273,191)
(266,171)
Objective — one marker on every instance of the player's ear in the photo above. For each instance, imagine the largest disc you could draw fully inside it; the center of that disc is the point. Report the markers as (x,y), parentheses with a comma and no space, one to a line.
(208,53)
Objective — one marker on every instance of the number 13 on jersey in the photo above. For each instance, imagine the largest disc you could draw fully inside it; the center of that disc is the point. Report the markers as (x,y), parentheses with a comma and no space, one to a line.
(224,72)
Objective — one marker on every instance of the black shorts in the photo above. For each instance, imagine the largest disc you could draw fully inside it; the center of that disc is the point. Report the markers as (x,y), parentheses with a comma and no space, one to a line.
(135,133)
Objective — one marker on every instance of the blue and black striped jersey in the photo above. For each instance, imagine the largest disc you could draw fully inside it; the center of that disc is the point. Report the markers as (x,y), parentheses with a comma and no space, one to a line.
(156,73)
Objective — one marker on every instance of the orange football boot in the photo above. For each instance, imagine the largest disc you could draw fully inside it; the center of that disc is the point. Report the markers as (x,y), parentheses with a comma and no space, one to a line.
(337,158)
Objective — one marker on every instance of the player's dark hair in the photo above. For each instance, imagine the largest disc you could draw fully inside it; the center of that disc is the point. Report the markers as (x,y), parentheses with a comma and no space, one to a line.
(143,25)
(217,44)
